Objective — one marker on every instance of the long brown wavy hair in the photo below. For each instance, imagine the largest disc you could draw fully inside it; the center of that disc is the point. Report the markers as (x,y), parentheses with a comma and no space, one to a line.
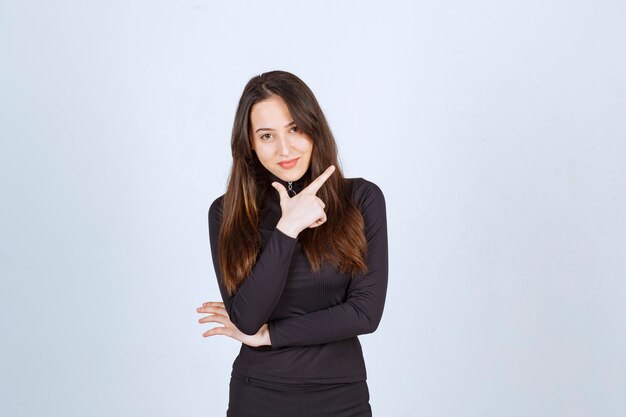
(239,242)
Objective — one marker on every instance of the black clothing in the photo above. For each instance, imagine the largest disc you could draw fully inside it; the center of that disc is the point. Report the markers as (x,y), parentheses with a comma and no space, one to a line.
(249,397)
(313,318)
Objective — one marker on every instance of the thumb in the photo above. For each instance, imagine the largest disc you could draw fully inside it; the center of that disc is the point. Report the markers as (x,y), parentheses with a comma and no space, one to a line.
(282,191)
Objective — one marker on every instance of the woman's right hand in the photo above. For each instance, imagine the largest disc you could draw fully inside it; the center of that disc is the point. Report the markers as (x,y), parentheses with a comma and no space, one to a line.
(303,210)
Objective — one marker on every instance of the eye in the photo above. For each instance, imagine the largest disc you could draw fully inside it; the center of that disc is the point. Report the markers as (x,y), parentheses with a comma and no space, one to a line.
(266,136)
(294,128)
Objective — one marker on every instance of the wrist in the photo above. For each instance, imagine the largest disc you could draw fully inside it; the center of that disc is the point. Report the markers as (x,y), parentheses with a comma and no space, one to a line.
(287,228)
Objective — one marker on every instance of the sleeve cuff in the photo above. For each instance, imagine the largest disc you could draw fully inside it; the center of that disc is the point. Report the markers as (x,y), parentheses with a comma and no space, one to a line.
(284,236)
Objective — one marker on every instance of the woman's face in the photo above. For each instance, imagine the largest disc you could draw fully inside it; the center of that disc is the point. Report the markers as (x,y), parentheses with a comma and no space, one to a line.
(279,145)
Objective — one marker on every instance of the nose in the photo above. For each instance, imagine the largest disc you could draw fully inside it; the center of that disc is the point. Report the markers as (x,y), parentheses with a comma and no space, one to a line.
(284,146)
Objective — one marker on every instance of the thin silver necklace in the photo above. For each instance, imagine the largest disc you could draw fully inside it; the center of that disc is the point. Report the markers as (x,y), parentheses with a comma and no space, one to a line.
(290,189)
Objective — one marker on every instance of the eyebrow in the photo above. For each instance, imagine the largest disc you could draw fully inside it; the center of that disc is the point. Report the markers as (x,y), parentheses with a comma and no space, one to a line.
(267,128)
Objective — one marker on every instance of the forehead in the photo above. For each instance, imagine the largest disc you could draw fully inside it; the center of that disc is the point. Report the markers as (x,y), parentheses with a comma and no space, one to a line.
(270,113)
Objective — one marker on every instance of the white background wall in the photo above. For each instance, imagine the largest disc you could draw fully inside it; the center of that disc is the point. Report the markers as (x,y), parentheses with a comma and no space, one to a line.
(496,130)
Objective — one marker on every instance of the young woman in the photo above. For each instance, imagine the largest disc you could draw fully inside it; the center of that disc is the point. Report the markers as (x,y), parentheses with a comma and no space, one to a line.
(300,255)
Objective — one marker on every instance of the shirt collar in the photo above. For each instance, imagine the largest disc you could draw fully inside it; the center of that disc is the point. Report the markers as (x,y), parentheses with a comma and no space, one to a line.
(296,186)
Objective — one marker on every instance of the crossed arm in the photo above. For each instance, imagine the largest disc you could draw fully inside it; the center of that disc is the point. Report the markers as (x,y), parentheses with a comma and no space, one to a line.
(244,315)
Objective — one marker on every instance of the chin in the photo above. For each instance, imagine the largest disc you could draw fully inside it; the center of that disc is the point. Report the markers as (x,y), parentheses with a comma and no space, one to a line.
(289,176)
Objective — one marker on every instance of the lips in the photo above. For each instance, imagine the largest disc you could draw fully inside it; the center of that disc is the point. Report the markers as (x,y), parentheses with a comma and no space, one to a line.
(288,164)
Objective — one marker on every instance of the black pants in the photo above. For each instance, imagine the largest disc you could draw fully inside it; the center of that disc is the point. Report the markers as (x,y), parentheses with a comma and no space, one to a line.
(250,397)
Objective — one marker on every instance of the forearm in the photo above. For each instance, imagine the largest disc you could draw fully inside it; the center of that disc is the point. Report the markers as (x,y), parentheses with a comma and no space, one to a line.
(252,304)
(254,300)
(359,314)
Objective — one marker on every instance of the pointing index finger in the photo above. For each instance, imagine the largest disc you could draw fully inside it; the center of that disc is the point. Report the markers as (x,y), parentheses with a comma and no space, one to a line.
(319,181)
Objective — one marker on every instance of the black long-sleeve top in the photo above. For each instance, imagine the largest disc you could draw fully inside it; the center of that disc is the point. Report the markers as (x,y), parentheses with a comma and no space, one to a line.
(313,318)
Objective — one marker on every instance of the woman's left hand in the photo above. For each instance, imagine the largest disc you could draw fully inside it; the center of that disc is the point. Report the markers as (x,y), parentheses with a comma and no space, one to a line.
(217,314)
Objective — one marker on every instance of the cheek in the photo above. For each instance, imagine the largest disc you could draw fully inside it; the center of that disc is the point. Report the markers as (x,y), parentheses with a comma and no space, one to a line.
(265,154)
(305,144)
(261,154)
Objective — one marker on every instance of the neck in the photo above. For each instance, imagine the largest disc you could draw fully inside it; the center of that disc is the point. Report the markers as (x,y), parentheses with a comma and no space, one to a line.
(293,187)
